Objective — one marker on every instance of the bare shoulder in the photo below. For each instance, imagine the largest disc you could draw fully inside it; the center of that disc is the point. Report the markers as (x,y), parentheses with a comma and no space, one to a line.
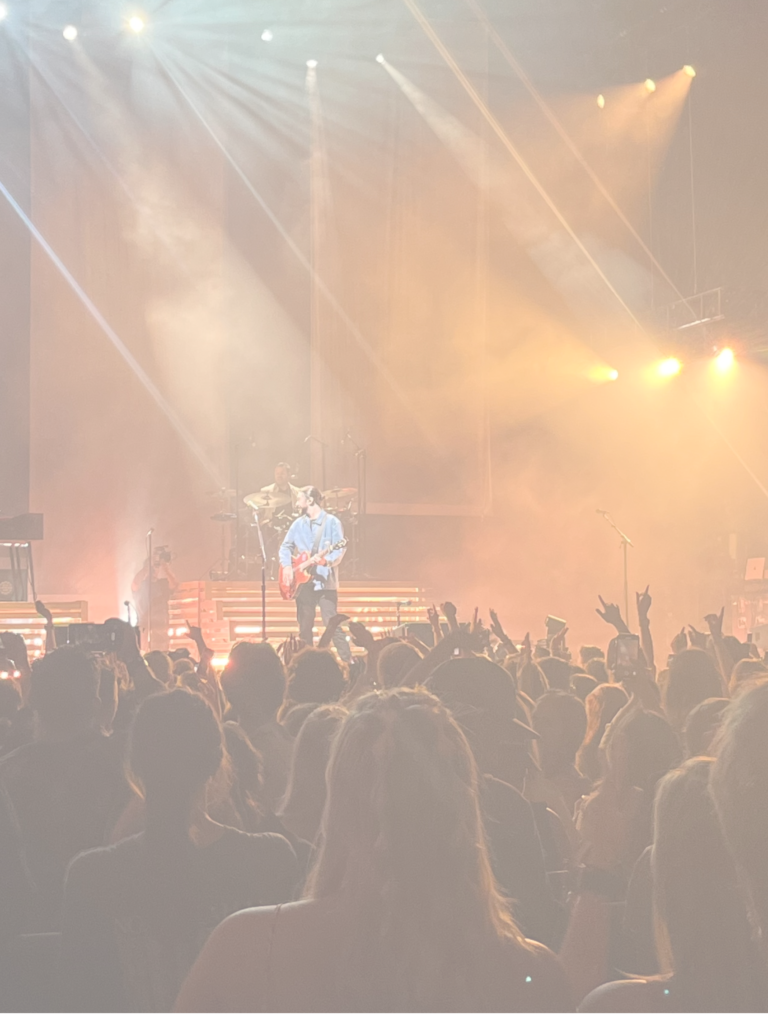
(548,973)
(636,996)
(229,972)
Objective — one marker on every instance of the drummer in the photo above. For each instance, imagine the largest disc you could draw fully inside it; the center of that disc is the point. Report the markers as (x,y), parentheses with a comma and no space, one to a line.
(282,491)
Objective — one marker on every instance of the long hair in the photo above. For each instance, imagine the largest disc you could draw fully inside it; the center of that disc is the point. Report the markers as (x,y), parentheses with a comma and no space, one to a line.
(402,848)
(176,747)
(602,704)
(305,796)
(702,925)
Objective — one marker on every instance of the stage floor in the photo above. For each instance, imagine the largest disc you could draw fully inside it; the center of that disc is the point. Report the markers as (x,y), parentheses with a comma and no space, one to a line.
(230,610)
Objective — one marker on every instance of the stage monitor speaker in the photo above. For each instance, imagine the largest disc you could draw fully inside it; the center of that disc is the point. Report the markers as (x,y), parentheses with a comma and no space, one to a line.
(421,630)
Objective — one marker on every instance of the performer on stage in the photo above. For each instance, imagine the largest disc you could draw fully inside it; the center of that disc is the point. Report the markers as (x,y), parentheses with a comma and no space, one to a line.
(164,584)
(314,530)
(282,488)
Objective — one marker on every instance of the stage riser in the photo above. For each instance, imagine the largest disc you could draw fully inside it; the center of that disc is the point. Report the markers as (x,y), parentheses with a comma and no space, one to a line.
(228,612)
(22,618)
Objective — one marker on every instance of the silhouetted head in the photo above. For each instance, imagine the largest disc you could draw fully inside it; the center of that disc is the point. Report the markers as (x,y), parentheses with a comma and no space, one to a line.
(64,691)
(561,722)
(588,652)
(176,747)
(739,785)
(314,677)
(703,931)
(702,725)
(254,682)
(483,699)
(748,671)
(597,668)
(582,685)
(693,678)
(403,849)
(394,664)
(641,748)
(558,673)
(160,665)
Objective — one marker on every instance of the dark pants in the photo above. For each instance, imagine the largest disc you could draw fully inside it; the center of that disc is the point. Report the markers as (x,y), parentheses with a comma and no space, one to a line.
(307,601)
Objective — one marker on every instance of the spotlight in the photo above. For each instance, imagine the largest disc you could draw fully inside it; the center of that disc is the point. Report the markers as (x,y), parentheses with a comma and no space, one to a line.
(380,58)
(70,33)
(650,85)
(669,367)
(690,71)
(724,360)
(601,101)
(136,24)
(267,36)
(602,374)
(311,64)
(3,12)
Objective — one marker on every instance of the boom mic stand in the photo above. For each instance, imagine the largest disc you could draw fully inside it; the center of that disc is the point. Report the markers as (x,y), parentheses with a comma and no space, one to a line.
(263,580)
(149,588)
(626,543)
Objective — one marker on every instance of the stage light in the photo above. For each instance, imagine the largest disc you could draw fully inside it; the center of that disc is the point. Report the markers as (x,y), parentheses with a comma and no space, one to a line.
(690,71)
(724,360)
(380,58)
(650,85)
(601,101)
(70,33)
(669,367)
(311,64)
(3,12)
(602,374)
(267,36)
(136,24)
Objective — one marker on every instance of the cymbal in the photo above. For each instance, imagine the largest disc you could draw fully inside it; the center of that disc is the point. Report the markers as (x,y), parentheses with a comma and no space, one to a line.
(223,517)
(341,493)
(259,500)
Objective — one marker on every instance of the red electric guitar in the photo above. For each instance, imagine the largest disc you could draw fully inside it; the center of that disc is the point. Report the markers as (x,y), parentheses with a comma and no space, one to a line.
(301,562)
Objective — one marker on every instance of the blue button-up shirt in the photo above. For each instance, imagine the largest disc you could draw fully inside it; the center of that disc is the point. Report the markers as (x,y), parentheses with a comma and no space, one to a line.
(301,537)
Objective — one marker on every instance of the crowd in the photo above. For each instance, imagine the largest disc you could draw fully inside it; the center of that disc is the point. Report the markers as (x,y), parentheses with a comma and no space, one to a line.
(470,824)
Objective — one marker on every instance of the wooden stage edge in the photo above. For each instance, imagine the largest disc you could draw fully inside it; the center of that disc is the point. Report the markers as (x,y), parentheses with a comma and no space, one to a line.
(230,610)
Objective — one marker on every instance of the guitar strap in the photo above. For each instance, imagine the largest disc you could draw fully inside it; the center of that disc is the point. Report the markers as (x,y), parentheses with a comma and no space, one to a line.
(319,537)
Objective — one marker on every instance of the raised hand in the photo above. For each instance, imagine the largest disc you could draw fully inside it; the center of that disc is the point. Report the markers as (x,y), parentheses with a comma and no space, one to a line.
(526,649)
(644,600)
(361,635)
(496,627)
(195,634)
(333,624)
(449,611)
(679,642)
(433,615)
(715,623)
(611,613)
(559,650)
(41,610)
(697,639)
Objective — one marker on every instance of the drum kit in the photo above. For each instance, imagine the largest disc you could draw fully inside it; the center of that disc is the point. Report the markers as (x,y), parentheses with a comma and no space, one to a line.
(266,519)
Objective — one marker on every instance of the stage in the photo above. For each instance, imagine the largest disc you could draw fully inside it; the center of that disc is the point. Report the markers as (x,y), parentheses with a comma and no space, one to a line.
(230,610)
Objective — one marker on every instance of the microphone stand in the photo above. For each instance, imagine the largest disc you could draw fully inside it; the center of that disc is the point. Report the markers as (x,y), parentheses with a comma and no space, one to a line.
(626,543)
(323,447)
(263,580)
(361,465)
(149,588)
